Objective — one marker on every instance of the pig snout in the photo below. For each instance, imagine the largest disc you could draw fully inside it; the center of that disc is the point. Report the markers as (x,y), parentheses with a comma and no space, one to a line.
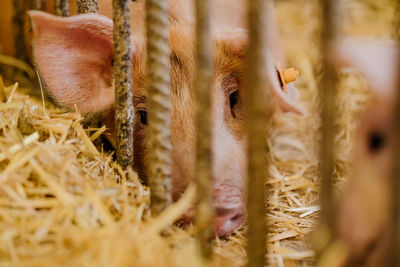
(227,177)
(227,220)
(229,207)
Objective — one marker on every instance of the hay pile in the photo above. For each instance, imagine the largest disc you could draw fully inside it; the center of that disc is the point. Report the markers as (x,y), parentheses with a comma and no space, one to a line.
(64,203)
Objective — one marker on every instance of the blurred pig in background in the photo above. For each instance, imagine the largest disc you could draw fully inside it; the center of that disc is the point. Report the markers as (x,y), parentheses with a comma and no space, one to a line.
(364,213)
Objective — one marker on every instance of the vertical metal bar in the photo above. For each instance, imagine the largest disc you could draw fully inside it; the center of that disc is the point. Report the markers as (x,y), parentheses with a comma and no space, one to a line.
(18,28)
(57,7)
(87,6)
(159,104)
(61,8)
(124,112)
(37,4)
(258,113)
(394,249)
(64,8)
(204,66)
(327,98)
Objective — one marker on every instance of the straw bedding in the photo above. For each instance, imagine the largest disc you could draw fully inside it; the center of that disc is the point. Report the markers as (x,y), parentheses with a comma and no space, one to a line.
(64,201)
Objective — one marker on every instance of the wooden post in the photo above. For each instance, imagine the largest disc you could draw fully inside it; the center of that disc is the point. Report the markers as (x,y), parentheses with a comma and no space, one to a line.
(124,112)
(87,6)
(18,28)
(61,8)
(259,111)
(158,86)
(327,98)
(204,66)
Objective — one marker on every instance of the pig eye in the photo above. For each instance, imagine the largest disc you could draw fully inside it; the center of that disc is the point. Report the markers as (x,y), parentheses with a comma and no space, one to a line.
(233,99)
(143,117)
(376,141)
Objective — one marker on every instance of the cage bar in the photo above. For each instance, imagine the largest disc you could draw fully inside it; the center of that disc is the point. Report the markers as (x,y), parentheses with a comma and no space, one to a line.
(258,114)
(124,112)
(61,8)
(204,67)
(87,6)
(327,97)
(394,249)
(37,4)
(18,29)
(158,87)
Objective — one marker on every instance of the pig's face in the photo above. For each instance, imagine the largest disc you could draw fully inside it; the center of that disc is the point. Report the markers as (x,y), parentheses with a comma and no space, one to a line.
(365,209)
(74,57)
(228,142)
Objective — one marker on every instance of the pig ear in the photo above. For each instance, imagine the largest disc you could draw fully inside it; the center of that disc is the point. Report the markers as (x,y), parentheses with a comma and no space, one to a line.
(236,42)
(286,100)
(74,57)
(375,59)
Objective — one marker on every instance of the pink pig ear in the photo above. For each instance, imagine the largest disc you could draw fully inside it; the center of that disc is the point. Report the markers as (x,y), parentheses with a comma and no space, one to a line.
(74,57)
(375,59)
(236,42)
(286,100)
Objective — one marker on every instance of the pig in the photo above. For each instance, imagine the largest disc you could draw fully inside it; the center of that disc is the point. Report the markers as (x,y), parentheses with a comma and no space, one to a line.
(364,212)
(74,57)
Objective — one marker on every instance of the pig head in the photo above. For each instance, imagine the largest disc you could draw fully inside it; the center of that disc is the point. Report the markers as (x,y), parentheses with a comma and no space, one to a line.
(365,210)
(75,55)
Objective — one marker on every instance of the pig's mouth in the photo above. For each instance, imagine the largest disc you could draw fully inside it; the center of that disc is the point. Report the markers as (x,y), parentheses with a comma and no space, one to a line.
(362,258)
(226,221)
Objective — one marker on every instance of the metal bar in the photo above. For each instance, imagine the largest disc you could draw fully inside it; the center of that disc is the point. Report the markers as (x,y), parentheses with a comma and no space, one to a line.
(61,8)
(158,86)
(87,6)
(37,4)
(327,98)
(394,249)
(204,66)
(259,111)
(18,29)
(124,112)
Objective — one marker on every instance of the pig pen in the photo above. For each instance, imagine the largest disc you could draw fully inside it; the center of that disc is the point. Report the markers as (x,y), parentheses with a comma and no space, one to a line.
(65,203)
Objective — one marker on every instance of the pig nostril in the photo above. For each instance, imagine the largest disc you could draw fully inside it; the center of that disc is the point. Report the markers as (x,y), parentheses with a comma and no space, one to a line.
(376,141)
(236,217)
(228,220)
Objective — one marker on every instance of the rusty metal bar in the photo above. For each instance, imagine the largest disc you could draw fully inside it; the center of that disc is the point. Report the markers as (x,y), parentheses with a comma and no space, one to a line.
(158,86)
(61,8)
(87,6)
(327,98)
(394,249)
(37,4)
(259,111)
(204,66)
(124,112)
(18,29)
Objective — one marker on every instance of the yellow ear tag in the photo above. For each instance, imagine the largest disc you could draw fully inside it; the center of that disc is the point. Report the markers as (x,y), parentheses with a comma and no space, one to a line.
(287,76)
